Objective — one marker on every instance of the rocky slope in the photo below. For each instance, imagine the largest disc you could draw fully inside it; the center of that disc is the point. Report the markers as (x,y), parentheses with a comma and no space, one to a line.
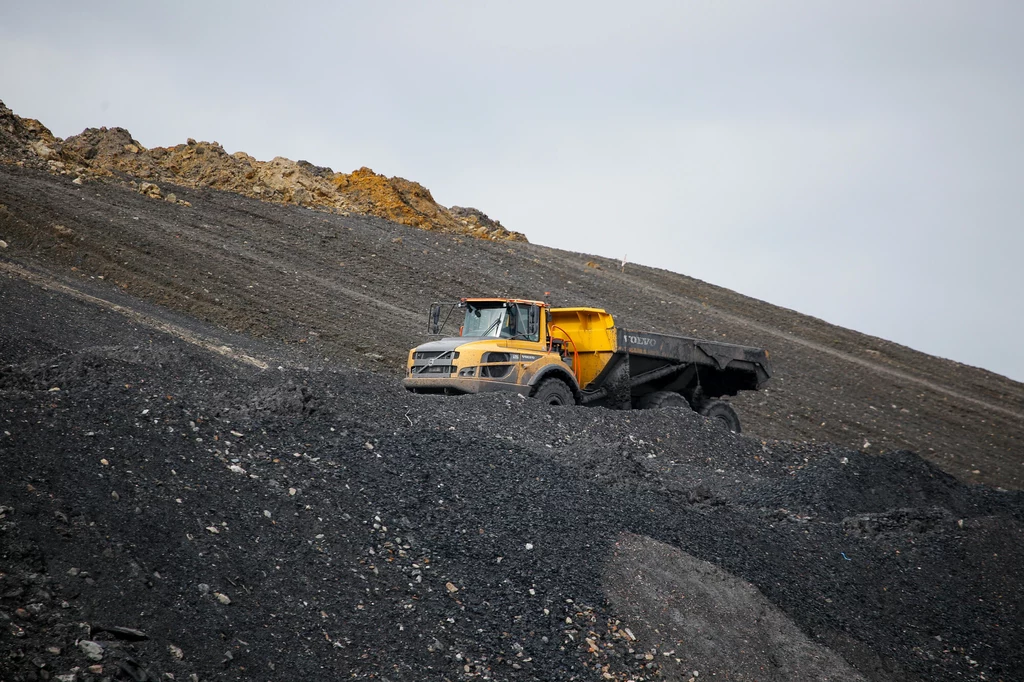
(113,152)
(356,288)
(211,472)
(169,509)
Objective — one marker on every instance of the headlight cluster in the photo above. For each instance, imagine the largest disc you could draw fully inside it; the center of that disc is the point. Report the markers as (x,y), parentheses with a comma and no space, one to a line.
(509,357)
(491,369)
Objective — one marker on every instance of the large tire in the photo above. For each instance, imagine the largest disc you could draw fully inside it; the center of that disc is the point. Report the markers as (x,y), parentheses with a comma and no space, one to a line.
(554,392)
(658,399)
(722,412)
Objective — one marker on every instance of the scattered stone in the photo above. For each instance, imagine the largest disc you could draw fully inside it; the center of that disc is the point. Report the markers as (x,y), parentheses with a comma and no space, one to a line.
(176,651)
(92,650)
(150,189)
(222,598)
(130,634)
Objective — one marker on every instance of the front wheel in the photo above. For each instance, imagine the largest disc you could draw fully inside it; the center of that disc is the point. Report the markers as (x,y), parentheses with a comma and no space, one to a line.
(554,392)
(723,413)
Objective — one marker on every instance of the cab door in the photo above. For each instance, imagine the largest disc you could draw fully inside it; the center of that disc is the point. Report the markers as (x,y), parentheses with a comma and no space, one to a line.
(534,346)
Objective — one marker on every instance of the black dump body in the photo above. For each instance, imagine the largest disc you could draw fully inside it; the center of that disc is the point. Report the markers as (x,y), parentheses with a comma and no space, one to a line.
(646,362)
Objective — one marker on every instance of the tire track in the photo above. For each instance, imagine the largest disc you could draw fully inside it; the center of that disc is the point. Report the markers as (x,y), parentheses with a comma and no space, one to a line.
(205,342)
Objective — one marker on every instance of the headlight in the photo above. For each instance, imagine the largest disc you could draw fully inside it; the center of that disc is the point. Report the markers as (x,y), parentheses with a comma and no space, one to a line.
(467,372)
(509,357)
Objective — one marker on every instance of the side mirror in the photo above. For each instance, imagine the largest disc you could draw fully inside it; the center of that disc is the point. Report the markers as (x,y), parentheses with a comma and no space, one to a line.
(435,318)
(533,322)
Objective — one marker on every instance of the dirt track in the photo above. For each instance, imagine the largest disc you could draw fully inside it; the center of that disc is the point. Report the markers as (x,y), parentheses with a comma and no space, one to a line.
(202,438)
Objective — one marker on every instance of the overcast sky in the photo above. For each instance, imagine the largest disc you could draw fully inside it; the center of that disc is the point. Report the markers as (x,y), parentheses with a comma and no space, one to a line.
(862,162)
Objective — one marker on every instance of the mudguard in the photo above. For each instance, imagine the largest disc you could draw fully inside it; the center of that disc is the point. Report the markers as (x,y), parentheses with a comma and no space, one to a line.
(555,371)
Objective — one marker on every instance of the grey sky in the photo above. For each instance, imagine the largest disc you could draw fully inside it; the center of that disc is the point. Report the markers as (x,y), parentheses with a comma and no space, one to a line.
(860,162)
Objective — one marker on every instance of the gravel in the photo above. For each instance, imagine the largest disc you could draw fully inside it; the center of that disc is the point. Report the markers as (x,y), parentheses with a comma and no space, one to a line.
(368,533)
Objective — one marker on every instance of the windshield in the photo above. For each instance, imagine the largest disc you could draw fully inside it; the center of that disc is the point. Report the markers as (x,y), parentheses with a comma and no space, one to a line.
(483,321)
(497,320)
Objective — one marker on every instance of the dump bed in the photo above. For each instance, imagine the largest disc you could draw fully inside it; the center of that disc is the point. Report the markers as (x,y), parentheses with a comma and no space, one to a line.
(649,351)
(646,363)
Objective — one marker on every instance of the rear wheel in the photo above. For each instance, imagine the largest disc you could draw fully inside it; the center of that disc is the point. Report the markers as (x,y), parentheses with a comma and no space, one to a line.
(723,413)
(554,392)
(662,399)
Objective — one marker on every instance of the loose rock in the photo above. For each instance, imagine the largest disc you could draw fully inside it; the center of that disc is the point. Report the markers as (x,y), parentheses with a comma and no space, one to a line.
(92,650)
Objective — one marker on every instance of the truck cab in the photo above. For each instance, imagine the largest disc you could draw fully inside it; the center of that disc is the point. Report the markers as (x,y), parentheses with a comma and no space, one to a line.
(503,345)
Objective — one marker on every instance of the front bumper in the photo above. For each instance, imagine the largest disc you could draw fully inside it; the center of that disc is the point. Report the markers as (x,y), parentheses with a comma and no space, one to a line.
(462,385)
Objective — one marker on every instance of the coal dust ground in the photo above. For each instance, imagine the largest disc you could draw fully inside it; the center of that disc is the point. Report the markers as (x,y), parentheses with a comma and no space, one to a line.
(209,471)
(172,510)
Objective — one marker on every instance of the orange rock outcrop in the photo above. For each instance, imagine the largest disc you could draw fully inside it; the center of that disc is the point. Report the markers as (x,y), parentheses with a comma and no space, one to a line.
(114,152)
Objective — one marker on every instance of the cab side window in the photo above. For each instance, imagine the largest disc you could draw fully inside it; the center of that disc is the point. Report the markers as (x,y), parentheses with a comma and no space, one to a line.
(528,322)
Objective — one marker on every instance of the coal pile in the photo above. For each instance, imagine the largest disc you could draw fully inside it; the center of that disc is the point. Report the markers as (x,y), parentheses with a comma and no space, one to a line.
(167,511)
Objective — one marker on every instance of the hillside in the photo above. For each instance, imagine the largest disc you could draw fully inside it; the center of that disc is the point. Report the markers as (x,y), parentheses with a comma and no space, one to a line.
(225,362)
(352,285)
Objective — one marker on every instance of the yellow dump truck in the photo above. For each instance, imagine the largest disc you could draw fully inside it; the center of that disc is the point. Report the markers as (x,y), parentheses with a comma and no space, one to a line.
(565,356)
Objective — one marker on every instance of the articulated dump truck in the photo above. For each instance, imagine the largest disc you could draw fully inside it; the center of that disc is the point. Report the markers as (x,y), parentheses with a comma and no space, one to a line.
(564,356)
